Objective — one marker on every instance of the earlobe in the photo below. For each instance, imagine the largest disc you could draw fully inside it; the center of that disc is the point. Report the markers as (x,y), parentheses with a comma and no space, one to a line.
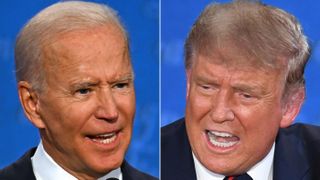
(30,103)
(292,107)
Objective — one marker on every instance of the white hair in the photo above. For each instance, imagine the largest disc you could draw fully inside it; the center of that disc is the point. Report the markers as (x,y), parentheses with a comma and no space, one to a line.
(58,18)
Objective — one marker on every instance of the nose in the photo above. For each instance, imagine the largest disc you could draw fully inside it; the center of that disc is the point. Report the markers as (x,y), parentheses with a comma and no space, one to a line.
(106,106)
(221,110)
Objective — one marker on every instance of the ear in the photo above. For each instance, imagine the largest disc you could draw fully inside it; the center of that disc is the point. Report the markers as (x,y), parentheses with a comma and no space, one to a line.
(30,103)
(292,106)
(188,74)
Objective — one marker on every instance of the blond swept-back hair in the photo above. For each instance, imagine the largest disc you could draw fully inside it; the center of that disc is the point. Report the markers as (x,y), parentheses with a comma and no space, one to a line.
(266,34)
(56,19)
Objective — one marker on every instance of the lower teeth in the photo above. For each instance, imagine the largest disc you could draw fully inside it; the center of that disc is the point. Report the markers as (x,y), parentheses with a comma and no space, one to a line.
(222,144)
(215,142)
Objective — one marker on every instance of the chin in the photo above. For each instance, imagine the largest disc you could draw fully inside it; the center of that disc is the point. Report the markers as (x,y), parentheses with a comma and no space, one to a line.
(105,164)
(101,169)
(224,168)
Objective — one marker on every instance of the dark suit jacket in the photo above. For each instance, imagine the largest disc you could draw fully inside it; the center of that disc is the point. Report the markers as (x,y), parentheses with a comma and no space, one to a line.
(22,170)
(297,153)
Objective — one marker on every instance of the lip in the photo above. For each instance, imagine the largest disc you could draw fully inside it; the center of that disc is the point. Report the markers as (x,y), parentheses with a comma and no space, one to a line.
(227,147)
(107,140)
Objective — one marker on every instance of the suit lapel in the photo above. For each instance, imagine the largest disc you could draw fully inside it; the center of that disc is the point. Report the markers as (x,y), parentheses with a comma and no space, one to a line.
(125,169)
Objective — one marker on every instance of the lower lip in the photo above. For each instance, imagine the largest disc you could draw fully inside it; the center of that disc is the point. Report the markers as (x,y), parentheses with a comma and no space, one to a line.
(219,149)
(106,146)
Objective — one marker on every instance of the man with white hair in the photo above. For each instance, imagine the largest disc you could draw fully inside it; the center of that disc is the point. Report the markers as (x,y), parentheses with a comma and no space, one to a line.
(75,83)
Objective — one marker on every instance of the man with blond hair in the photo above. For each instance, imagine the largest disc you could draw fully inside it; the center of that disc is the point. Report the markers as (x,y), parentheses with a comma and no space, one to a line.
(245,65)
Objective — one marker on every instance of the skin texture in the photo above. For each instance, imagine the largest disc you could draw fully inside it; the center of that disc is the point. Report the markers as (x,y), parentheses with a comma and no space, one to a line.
(89,91)
(241,100)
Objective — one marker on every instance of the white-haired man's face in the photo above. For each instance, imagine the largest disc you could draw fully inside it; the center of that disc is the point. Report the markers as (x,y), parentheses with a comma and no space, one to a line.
(86,111)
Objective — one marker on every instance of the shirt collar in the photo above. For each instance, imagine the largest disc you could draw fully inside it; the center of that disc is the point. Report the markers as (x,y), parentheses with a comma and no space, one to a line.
(45,168)
(262,170)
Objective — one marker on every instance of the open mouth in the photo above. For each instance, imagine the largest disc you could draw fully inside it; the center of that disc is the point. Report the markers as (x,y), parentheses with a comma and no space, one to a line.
(222,139)
(106,138)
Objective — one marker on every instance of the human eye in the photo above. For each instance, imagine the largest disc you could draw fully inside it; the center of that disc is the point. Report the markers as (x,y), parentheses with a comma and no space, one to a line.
(121,85)
(247,97)
(206,88)
(83,91)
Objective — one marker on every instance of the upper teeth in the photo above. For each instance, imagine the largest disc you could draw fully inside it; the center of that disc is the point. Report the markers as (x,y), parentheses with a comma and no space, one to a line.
(221,134)
(221,139)
(105,138)
(106,135)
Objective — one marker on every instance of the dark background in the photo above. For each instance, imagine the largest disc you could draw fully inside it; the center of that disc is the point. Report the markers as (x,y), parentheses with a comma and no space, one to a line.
(141,19)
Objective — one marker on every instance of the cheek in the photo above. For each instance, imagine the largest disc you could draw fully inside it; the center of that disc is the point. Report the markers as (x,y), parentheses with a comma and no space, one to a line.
(75,115)
(79,113)
(126,106)
(263,120)
(198,105)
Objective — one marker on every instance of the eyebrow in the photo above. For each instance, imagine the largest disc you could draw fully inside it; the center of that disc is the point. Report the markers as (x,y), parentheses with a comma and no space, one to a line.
(211,80)
(126,77)
(79,85)
(250,88)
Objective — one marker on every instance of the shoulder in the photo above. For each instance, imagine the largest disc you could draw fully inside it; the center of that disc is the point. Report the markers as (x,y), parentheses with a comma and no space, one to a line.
(176,155)
(307,134)
(21,169)
(297,151)
(301,135)
(131,173)
(173,137)
(177,127)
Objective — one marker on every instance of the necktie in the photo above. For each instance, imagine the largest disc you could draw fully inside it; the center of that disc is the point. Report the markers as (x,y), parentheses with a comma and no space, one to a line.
(238,177)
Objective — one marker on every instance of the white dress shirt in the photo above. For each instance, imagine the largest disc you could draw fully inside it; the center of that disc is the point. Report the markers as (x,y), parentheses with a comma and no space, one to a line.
(263,170)
(45,168)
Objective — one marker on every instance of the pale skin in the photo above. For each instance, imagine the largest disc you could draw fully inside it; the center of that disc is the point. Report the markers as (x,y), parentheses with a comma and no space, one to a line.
(240,100)
(88,92)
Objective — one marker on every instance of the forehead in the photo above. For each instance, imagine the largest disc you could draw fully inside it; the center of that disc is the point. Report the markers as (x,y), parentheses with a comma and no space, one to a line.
(241,56)
(232,51)
(214,70)
(84,45)
(99,54)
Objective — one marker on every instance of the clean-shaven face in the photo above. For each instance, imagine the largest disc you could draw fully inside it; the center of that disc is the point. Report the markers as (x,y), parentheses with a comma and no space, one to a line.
(88,104)
(233,113)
